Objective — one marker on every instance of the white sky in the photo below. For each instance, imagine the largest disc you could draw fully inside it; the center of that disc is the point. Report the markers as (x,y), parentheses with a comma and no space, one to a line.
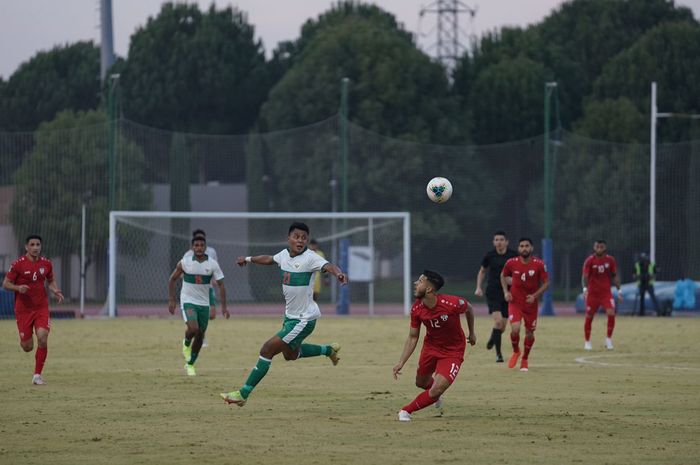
(29,26)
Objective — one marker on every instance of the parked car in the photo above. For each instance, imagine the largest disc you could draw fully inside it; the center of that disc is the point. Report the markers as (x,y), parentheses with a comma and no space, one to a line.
(664,291)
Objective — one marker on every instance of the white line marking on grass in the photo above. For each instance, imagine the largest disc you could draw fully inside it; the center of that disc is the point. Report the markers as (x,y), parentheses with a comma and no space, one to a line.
(592,360)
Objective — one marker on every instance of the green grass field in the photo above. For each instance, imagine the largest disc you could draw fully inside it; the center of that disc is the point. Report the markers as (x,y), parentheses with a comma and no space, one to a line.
(117,394)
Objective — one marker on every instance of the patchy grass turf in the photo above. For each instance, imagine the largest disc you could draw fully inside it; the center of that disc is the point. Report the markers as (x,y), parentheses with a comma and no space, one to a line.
(117,394)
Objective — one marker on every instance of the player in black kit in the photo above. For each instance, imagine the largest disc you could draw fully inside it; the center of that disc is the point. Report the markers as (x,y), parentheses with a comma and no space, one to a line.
(493,263)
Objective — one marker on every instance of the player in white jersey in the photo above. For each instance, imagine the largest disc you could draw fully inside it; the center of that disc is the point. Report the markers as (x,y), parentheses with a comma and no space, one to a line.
(197,272)
(211,253)
(298,266)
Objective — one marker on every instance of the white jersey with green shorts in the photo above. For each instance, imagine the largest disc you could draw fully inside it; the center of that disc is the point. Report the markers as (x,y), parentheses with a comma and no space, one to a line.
(196,282)
(301,311)
(211,253)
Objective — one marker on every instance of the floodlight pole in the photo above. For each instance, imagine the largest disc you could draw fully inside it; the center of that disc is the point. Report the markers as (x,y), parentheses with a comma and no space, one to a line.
(547,248)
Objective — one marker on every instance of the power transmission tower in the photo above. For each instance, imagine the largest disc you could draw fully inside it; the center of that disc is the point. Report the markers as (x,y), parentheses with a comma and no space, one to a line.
(448,46)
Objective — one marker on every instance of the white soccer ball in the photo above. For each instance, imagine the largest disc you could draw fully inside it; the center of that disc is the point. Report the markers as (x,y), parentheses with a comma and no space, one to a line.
(439,190)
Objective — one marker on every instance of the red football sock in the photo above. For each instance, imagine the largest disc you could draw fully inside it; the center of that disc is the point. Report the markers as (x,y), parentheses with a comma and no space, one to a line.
(611,324)
(587,327)
(421,401)
(515,340)
(529,342)
(39,359)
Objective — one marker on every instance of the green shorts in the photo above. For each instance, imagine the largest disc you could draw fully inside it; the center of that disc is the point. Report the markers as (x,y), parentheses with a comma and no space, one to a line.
(212,297)
(198,313)
(294,332)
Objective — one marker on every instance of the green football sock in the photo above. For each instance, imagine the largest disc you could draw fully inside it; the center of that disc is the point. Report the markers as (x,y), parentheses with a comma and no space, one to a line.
(313,350)
(187,342)
(193,358)
(255,376)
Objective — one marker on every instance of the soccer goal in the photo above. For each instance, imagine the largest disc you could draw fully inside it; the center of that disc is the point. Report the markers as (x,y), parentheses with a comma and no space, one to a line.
(372,247)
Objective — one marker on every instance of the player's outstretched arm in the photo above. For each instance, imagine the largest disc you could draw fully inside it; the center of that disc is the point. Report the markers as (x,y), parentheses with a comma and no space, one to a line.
(258,260)
(408,348)
(335,271)
(174,276)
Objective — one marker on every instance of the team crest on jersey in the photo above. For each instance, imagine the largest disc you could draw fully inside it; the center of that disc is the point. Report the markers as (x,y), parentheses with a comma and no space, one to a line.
(607,265)
(531,272)
(461,301)
(444,317)
(296,265)
(41,270)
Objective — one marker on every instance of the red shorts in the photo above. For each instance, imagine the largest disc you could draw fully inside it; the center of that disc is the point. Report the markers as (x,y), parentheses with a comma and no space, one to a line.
(527,313)
(29,320)
(594,302)
(430,363)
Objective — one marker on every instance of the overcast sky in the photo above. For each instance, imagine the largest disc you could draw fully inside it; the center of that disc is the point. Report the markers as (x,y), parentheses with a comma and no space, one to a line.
(29,26)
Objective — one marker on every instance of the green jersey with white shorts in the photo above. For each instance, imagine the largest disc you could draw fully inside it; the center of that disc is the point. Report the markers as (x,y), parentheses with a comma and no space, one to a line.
(301,310)
(196,283)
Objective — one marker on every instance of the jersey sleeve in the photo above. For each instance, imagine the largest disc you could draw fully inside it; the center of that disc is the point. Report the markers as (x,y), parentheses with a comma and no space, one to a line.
(613,265)
(217,273)
(187,254)
(543,272)
(49,273)
(485,261)
(13,272)
(415,320)
(508,268)
(278,257)
(317,262)
(586,267)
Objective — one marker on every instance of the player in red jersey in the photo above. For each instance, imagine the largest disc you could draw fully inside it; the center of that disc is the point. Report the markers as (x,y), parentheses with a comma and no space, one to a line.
(444,343)
(26,279)
(529,281)
(599,272)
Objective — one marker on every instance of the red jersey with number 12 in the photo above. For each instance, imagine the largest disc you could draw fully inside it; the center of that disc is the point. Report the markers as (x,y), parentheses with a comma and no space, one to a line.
(33,274)
(444,334)
(527,277)
(599,272)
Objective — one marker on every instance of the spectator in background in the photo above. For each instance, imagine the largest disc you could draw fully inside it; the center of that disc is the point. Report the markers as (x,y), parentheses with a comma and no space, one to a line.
(644,273)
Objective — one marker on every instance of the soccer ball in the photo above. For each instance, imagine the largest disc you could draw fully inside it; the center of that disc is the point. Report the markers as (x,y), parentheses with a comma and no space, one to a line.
(439,190)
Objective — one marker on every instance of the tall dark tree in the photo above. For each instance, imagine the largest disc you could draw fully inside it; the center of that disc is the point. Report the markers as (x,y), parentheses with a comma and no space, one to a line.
(195,71)
(63,78)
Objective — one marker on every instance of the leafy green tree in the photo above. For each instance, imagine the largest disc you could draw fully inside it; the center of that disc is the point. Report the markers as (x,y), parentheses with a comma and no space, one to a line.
(64,78)
(195,71)
(68,163)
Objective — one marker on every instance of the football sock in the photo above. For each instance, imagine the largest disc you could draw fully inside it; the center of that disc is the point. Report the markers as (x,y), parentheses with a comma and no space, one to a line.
(529,342)
(255,376)
(515,340)
(39,359)
(611,325)
(497,340)
(423,400)
(187,342)
(313,350)
(193,357)
(587,327)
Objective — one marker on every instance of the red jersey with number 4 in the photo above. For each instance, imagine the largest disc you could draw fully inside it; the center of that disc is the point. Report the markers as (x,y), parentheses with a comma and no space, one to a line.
(444,335)
(527,277)
(33,274)
(599,272)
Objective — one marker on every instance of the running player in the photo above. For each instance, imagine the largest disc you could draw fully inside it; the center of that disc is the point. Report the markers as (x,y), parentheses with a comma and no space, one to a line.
(599,272)
(26,279)
(444,344)
(298,264)
(529,281)
(197,273)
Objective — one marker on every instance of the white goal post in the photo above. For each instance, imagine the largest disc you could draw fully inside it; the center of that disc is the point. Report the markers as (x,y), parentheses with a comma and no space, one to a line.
(373,247)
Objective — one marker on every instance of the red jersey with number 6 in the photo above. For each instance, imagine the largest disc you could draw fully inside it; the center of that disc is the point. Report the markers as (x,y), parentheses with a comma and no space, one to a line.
(33,274)
(599,272)
(444,334)
(527,278)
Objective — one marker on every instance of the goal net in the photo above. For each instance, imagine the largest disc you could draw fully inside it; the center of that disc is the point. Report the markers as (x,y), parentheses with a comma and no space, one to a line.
(373,248)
